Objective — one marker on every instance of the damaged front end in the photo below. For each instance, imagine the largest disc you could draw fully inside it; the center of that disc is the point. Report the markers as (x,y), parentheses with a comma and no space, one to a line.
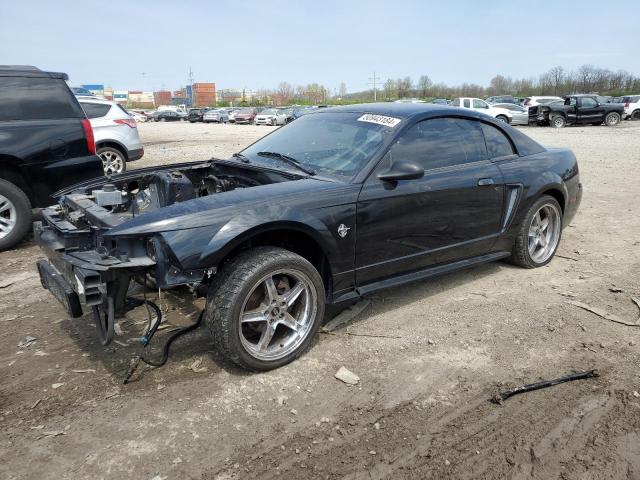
(103,234)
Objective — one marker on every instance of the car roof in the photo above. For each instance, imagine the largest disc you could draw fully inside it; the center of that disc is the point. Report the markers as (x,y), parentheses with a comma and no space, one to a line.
(399,110)
(29,71)
(96,100)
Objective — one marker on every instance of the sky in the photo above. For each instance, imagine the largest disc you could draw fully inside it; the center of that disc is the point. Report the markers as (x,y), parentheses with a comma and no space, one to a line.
(152,44)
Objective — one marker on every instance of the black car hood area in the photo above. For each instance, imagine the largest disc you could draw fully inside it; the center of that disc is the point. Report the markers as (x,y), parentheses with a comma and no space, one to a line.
(214,209)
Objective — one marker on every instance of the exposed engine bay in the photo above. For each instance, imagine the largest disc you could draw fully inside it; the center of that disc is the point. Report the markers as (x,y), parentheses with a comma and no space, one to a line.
(132,195)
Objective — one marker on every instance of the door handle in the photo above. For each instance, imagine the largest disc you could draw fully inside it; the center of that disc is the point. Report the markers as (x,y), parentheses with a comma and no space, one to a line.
(483,182)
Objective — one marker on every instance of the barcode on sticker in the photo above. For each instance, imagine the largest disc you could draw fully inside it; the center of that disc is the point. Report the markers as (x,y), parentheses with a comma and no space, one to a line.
(379,119)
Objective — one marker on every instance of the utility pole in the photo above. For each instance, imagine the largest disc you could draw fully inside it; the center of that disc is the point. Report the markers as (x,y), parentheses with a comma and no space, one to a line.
(190,88)
(373,81)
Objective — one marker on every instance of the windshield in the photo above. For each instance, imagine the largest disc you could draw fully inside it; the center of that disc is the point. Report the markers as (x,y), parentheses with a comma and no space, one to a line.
(333,143)
(268,111)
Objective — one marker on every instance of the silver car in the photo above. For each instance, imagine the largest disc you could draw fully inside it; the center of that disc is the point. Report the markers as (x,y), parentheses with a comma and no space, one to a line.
(271,116)
(220,116)
(517,115)
(115,133)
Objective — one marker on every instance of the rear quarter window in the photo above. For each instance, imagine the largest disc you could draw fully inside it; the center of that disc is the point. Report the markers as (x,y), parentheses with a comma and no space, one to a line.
(95,110)
(525,145)
(25,98)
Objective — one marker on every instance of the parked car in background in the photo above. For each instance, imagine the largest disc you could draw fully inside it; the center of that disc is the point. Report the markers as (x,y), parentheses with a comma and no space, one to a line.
(46,143)
(220,116)
(321,212)
(479,105)
(232,114)
(115,133)
(82,92)
(440,101)
(196,114)
(168,116)
(534,101)
(516,114)
(502,99)
(137,116)
(577,109)
(631,107)
(246,115)
(271,116)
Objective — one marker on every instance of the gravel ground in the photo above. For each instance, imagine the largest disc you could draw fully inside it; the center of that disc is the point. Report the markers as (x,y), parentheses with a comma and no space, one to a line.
(429,356)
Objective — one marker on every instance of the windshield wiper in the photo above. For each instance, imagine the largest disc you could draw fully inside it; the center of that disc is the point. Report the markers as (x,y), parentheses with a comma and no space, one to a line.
(289,160)
(241,157)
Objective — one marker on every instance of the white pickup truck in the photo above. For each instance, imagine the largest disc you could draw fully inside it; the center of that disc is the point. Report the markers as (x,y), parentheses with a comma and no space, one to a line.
(481,106)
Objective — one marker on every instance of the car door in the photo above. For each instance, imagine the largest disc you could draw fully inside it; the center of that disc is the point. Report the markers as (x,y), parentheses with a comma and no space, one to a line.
(480,105)
(453,212)
(589,110)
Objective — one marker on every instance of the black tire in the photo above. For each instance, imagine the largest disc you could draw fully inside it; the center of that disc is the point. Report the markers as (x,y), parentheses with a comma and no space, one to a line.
(635,115)
(232,286)
(558,121)
(112,151)
(502,118)
(520,255)
(22,211)
(612,119)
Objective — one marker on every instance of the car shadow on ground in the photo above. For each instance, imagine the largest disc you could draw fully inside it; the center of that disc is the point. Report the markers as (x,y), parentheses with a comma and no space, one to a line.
(117,357)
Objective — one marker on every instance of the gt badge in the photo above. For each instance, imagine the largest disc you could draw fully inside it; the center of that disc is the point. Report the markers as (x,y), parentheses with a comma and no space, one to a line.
(343,230)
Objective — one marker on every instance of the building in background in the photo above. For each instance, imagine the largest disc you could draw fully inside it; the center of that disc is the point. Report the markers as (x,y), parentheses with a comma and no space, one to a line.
(108,93)
(139,99)
(121,96)
(95,88)
(162,97)
(204,95)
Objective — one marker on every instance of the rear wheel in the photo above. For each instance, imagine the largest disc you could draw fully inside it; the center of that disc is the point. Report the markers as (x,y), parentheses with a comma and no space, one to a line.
(539,234)
(15,215)
(635,115)
(558,121)
(113,160)
(612,119)
(265,307)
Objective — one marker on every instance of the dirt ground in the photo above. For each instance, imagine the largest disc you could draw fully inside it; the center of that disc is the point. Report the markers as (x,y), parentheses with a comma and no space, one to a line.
(429,357)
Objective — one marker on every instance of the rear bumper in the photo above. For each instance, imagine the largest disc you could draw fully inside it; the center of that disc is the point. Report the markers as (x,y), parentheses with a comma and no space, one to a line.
(136,154)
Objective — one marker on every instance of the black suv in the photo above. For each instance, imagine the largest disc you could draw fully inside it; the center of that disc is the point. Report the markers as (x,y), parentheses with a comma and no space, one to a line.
(196,114)
(46,143)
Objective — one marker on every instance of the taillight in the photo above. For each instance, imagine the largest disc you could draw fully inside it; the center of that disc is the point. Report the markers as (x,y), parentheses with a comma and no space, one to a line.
(626,104)
(88,134)
(130,122)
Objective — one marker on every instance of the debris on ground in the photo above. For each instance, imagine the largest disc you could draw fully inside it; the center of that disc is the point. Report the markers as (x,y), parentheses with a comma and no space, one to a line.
(346,315)
(196,366)
(606,315)
(347,376)
(502,396)
(57,385)
(27,342)
(7,282)
(86,370)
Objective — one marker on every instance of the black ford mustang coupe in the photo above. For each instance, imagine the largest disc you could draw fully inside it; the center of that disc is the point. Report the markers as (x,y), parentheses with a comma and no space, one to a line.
(334,206)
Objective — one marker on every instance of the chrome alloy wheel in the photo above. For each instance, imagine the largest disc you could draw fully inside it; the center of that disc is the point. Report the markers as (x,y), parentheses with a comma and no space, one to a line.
(112,162)
(8,216)
(544,233)
(278,314)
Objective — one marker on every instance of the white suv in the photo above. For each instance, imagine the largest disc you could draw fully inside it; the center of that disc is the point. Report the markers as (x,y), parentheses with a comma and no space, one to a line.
(479,105)
(115,132)
(631,107)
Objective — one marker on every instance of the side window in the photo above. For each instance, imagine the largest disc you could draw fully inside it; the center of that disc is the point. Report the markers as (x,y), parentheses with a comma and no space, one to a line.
(455,103)
(498,145)
(588,103)
(571,101)
(26,98)
(95,110)
(467,104)
(441,142)
(479,104)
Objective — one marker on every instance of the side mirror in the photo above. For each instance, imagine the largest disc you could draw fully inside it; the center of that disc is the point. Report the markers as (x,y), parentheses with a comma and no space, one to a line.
(402,170)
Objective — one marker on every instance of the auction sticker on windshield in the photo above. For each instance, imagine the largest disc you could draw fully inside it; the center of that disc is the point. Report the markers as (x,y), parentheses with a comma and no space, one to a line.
(379,119)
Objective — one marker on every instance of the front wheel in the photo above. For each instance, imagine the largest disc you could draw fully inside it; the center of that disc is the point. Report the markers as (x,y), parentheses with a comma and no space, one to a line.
(539,234)
(502,118)
(265,307)
(635,115)
(612,119)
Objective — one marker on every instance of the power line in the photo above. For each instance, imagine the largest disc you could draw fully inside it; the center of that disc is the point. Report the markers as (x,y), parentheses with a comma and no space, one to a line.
(373,81)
